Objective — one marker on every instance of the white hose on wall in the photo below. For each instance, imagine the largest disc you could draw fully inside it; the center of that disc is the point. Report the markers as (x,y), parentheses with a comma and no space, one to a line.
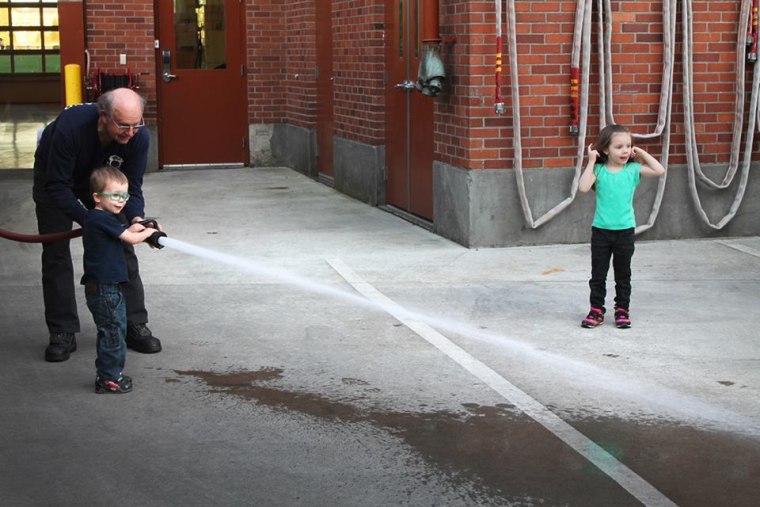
(692,151)
(582,47)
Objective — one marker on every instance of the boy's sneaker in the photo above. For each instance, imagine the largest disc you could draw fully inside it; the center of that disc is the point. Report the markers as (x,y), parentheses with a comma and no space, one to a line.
(594,318)
(621,318)
(123,385)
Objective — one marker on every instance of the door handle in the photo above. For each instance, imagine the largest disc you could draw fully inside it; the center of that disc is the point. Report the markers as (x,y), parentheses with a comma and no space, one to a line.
(406,85)
(166,62)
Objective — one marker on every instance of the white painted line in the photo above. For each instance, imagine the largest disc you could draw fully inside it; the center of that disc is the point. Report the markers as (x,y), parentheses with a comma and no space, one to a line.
(634,484)
(741,248)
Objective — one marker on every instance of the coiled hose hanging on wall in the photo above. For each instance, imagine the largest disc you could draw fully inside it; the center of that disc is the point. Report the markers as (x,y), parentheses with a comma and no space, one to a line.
(692,153)
(666,90)
(583,12)
(581,46)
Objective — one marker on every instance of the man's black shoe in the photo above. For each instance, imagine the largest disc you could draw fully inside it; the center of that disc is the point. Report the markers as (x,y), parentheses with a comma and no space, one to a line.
(140,339)
(60,348)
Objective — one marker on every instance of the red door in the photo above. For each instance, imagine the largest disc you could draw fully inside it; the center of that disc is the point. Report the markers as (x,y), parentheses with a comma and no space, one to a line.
(409,114)
(325,125)
(202,111)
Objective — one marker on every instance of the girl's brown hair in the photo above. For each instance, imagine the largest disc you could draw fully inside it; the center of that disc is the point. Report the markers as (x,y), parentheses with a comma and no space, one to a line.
(604,139)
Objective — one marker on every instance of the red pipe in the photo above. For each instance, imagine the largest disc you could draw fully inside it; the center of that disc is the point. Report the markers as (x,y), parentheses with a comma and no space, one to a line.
(499,105)
(40,238)
(752,56)
(575,106)
(430,30)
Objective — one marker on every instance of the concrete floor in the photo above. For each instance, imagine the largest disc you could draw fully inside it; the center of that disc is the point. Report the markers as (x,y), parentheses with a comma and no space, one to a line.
(323,352)
(18,132)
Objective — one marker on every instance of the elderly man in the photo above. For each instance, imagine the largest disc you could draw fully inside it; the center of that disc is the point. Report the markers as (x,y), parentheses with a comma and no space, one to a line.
(83,137)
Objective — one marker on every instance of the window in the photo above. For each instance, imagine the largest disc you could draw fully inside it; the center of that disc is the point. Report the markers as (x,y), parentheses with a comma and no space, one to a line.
(29,39)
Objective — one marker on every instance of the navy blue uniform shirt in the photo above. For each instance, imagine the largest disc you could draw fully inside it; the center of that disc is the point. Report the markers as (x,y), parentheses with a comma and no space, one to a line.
(70,149)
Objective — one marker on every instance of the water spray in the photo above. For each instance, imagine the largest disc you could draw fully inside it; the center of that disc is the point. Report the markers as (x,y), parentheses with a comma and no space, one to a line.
(574,370)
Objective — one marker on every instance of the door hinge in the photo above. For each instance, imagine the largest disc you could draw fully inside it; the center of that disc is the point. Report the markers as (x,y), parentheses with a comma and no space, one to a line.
(242,142)
(242,70)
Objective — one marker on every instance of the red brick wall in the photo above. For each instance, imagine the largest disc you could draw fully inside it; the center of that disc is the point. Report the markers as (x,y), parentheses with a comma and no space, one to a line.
(267,44)
(358,68)
(281,73)
(123,27)
(469,134)
(300,53)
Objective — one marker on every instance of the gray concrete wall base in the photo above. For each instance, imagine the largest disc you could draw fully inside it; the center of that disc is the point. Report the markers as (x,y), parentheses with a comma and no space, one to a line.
(260,142)
(359,170)
(481,208)
(153,150)
(291,146)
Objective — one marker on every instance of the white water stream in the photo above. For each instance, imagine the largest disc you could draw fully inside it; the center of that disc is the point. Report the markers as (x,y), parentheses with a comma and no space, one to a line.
(575,372)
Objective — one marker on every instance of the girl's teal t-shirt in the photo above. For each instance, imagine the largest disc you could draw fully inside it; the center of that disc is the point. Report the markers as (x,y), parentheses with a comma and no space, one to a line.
(614,196)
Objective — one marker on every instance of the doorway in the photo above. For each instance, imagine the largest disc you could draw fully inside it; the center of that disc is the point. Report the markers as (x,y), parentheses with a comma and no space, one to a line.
(201,86)
(409,114)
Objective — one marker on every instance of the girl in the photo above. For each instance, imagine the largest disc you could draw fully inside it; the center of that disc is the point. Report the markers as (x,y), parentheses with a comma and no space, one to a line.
(613,171)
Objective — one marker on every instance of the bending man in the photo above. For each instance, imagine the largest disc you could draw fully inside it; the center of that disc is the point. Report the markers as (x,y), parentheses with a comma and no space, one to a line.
(83,137)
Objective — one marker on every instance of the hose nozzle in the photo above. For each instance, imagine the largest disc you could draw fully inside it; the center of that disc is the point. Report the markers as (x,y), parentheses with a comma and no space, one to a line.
(153,239)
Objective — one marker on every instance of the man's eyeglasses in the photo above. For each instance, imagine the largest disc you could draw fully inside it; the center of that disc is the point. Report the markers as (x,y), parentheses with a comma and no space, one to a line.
(126,128)
(115,197)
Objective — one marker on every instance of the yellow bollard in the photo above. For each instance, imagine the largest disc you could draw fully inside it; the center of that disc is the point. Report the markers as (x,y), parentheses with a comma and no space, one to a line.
(73,81)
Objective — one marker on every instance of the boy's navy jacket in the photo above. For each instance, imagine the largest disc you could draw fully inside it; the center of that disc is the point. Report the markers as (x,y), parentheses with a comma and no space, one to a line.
(104,261)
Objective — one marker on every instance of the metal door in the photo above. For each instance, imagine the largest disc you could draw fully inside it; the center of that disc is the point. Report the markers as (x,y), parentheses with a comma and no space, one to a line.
(202,111)
(325,125)
(409,114)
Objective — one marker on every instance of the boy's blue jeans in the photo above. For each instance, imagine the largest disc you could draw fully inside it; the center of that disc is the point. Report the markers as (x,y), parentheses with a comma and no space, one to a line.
(106,303)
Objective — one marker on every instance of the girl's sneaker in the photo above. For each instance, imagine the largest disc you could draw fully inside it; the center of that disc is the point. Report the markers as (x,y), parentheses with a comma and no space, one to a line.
(621,318)
(594,318)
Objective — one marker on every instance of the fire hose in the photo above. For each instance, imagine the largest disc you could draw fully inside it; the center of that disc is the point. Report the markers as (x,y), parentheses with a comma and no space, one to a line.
(153,240)
(39,238)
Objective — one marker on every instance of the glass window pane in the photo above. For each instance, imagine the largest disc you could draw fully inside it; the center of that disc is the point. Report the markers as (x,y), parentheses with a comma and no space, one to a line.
(27,40)
(25,16)
(50,17)
(52,63)
(214,36)
(28,63)
(5,64)
(52,40)
(5,40)
(200,34)
(4,19)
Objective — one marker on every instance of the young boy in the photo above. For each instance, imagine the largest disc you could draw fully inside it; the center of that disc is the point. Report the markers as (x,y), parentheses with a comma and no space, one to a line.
(105,268)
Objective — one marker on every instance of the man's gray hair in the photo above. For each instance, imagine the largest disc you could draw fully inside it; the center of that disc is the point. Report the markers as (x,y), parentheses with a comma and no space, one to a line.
(106,101)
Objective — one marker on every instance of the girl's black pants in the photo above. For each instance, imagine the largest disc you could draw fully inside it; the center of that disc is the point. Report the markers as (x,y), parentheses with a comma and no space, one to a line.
(616,245)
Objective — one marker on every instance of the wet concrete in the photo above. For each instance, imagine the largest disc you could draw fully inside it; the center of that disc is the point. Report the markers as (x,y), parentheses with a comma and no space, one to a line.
(270,394)
(506,458)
